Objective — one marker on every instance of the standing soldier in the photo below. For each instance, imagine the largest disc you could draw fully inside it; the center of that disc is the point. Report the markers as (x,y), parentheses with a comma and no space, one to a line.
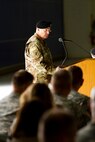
(38,59)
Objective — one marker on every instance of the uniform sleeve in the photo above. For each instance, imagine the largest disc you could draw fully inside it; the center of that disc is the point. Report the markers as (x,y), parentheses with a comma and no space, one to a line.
(36,57)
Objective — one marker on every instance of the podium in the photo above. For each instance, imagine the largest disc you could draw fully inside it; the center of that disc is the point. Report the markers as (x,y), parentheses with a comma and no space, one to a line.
(82,57)
(88,68)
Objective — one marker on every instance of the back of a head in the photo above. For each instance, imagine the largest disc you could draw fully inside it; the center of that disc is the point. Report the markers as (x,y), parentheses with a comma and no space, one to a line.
(40,90)
(37,91)
(21,80)
(57,125)
(61,79)
(43,93)
(77,74)
(28,118)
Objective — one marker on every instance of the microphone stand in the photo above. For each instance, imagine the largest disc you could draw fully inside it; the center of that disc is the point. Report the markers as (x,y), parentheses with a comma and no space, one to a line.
(77,45)
(63,41)
(66,54)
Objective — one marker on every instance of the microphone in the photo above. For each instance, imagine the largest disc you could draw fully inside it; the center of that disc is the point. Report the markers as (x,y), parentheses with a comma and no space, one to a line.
(63,41)
(60,39)
(66,54)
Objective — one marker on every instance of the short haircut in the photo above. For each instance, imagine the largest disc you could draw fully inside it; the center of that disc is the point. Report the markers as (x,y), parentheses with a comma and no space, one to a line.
(37,91)
(77,74)
(55,123)
(22,77)
(61,79)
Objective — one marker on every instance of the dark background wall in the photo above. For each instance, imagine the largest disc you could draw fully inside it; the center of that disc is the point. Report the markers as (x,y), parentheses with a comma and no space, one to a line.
(17,24)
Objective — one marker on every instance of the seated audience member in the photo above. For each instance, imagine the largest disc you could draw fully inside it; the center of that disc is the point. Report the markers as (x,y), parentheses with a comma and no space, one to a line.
(57,125)
(75,96)
(24,127)
(34,102)
(21,79)
(87,133)
(37,91)
(61,83)
(60,86)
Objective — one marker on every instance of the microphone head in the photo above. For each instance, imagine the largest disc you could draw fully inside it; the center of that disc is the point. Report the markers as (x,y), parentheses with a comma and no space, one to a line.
(60,39)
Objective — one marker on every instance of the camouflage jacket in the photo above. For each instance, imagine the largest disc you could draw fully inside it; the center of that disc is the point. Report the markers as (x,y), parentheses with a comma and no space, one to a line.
(38,59)
(84,103)
(8,109)
(65,103)
(80,99)
(81,119)
(87,133)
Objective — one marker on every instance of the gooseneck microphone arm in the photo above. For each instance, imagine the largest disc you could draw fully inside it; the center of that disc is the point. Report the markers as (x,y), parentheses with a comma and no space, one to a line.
(67,40)
(66,54)
(63,41)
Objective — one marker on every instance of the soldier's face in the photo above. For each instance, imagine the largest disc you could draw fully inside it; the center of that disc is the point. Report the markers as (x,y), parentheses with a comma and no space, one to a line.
(44,33)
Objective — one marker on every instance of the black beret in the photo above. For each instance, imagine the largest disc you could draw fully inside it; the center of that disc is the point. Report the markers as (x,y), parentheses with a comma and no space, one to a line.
(43,24)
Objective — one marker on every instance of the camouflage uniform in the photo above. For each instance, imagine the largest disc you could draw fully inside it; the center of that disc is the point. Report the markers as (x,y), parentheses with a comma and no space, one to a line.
(87,133)
(61,101)
(8,108)
(83,103)
(38,59)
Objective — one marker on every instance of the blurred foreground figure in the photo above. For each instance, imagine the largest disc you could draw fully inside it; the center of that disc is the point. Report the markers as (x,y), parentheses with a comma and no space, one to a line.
(57,125)
(9,105)
(87,133)
(61,84)
(33,103)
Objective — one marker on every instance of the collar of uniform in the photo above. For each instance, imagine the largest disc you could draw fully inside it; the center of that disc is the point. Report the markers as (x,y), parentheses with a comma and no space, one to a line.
(39,38)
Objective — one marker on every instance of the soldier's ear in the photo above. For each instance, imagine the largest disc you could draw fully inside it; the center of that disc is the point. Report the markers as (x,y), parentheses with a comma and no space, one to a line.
(37,29)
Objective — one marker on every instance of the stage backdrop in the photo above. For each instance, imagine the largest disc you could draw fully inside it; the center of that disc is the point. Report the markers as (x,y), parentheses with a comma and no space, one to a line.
(17,24)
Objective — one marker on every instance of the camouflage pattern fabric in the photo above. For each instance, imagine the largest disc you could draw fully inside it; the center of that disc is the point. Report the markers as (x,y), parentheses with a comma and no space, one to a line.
(38,59)
(5,123)
(8,109)
(87,133)
(80,99)
(83,102)
(60,101)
